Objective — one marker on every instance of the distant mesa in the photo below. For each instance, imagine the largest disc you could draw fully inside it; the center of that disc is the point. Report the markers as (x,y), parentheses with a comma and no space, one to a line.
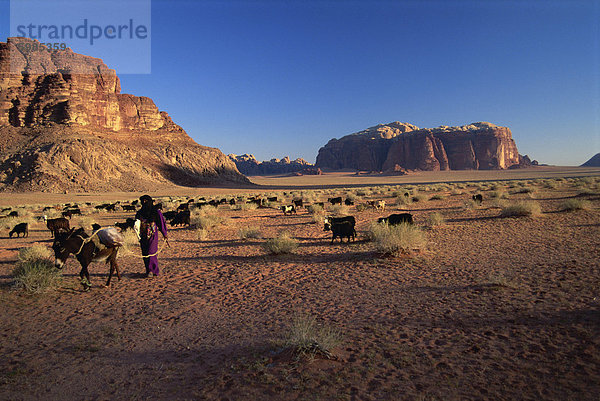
(307,171)
(248,165)
(71,128)
(397,148)
(593,162)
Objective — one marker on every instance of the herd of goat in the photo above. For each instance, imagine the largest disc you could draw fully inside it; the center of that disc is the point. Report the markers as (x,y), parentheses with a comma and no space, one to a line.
(341,227)
(67,240)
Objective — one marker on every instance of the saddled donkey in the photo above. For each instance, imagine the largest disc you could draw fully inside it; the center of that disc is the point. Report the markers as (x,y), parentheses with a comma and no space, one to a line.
(86,250)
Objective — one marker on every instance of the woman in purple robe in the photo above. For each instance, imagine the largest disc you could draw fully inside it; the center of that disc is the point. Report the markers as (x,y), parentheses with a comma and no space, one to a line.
(151,222)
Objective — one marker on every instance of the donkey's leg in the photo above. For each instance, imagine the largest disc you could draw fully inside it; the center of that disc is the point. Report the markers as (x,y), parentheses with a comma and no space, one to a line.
(116,255)
(85,277)
(112,259)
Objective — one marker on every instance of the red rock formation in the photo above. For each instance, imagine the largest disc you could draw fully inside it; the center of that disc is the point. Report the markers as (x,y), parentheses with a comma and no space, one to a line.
(62,115)
(479,146)
(248,165)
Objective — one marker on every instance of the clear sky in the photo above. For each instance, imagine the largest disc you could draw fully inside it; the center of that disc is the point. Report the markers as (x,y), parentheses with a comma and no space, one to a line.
(277,78)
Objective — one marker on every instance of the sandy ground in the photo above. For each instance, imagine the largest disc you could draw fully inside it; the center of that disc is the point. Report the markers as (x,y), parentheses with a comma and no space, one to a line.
(494,309)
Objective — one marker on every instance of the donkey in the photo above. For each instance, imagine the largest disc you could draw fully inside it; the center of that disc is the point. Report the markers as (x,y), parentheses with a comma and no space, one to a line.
(74,242)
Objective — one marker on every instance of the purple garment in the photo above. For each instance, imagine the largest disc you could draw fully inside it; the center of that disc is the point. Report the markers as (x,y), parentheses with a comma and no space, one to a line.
(149,239)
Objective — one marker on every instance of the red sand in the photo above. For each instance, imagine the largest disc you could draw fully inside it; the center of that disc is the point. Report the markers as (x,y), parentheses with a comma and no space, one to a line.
(495,309)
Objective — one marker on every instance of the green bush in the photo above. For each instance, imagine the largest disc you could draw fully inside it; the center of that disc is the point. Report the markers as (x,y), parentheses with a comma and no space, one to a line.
(397,240)
(281,244)
(35,272)
(521,209)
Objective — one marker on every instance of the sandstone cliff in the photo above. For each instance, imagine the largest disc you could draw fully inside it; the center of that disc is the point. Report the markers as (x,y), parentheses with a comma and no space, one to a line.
(65,125)
(478,146)
(248,165)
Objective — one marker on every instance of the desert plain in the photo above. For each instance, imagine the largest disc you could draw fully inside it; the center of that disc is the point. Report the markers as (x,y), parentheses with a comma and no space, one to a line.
(493,307)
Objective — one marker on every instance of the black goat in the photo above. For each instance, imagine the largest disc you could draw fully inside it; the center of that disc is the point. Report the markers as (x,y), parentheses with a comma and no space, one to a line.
(21,228)
(397,218)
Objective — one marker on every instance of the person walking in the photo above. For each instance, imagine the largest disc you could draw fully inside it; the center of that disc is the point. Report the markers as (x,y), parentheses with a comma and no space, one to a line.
(149,221)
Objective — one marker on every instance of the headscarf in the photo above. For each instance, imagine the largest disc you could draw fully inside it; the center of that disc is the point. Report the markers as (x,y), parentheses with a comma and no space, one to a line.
(147,209)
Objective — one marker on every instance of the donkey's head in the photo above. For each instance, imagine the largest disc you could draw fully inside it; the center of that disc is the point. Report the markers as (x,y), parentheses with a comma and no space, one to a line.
(65,243)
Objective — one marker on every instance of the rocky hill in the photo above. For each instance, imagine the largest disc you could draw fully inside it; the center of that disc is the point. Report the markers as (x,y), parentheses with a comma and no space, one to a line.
(248,165)
(393,146)
(65,125)
(593,162)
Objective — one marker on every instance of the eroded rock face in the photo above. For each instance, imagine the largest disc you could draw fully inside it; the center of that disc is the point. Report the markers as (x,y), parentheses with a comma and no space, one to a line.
(248,165)
(41,87)
(478,146)
(71,128)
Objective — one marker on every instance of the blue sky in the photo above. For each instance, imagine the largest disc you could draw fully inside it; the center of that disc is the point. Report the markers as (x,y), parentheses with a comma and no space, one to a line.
(276,78)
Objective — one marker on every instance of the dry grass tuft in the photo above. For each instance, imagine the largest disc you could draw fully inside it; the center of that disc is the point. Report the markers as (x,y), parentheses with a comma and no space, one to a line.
(521,209)
(250,233)
(575,204)
(401,239)
(306,338)
(435,219)
(281,244)
(35,272)
(338,210)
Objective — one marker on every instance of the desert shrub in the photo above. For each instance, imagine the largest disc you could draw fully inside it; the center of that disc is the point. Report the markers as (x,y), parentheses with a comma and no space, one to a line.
(437,197)
(396,240)
(403,200)
(586,192)
(317,218)
(207,221)
(361,207)
(350,196)
(85,222)
(575,204)
(338,210)
(314,209)
(456,192)
(34,271)
(250,233)
(201,234)
(471,204)
(435,219)
(520,209)
(33,253)
(419,198)
(130,241)
(9,222)
(281,244)
(306,338)
(498,203)
(499,194)
(361,192)
(523,190)
(245,206)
